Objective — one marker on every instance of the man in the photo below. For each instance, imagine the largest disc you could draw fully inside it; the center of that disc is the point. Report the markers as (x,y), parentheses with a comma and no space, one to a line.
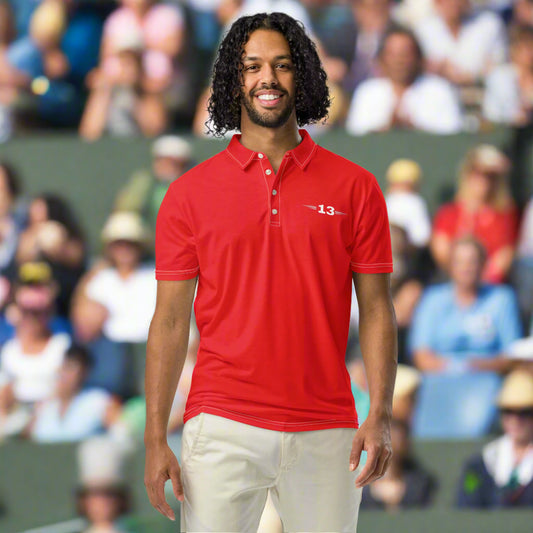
(272,228)
(145,190)
(404,96)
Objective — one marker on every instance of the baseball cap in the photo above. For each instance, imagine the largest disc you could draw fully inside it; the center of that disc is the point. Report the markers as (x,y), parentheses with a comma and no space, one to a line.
(172,146)
(517,391)
(34,273)
(404,171)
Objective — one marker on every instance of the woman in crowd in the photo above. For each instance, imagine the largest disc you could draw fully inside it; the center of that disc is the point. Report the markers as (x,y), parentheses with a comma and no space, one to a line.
(502,474)
(483,208)
(54,235)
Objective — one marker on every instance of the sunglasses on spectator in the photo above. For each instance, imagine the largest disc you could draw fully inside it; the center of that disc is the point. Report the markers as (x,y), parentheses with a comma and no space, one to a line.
(521,413)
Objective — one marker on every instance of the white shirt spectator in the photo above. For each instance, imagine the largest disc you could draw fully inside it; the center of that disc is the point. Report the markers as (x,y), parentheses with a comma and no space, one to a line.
(83,418)
(409,211)
(130,302)
(480,45)
(430,103)
(502,99)
(33,375)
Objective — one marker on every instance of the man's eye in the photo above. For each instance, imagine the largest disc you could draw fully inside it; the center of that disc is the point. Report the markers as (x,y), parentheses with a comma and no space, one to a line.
(284,66)
(251,67)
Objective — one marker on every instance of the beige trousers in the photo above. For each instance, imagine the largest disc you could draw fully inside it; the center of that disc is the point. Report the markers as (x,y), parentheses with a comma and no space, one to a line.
(228,468)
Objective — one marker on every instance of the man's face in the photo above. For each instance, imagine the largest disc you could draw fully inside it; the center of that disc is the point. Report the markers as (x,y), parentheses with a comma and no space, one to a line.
(268,83)
(466,265)
(399,59)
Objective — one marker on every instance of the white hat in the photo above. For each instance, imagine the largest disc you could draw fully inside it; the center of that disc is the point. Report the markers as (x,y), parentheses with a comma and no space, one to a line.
(125,226)
(517,391)
(100,462)
(490,157)
(172,146)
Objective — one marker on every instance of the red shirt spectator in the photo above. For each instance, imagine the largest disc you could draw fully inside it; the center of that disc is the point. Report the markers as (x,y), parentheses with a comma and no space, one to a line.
(483,208)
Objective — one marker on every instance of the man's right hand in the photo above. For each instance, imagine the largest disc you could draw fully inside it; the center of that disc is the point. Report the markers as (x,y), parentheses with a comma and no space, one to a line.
(161,464)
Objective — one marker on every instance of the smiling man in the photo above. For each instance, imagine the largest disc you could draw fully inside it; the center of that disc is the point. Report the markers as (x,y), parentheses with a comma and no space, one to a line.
(274,230)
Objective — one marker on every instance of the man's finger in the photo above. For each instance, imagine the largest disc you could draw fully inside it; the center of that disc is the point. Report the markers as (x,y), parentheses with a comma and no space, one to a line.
(355,455)
(165,510)
(177,487)
(380,466)
(156,495)
(373,454)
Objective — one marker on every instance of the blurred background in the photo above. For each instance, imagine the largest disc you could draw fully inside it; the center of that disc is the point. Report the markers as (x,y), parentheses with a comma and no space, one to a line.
(103,105)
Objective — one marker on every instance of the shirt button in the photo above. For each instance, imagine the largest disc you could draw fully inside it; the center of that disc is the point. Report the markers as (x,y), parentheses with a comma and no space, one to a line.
(274,192)
(260,156)
(268,172)
(274,211)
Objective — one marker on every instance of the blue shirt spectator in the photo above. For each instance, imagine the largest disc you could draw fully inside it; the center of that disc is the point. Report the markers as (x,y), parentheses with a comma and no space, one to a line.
(483,329)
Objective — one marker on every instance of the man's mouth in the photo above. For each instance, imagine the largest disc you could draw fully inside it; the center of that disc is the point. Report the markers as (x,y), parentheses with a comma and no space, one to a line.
(269,99)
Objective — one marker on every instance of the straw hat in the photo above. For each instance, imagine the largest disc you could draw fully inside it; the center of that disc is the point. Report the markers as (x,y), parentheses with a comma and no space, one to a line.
(100,463)
(125,226)
(404,171)
(488,157)
(517,391)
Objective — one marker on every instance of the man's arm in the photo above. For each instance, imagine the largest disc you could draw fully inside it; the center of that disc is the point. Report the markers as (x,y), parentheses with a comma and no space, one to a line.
(379,345)
(165,354)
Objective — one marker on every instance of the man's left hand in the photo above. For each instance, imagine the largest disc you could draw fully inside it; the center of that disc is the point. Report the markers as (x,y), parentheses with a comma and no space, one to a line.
(374,437)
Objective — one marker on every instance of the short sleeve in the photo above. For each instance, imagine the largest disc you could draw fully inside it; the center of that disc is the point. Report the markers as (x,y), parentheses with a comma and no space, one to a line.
(509,323)
(371,247)
(98,290)
(175,248)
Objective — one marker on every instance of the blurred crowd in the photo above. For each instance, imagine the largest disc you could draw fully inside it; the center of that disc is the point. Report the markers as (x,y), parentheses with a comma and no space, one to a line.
(73,326)
(142,67)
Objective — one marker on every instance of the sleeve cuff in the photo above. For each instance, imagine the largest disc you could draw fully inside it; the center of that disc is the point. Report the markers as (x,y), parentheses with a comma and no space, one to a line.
(371,268)
(176,275)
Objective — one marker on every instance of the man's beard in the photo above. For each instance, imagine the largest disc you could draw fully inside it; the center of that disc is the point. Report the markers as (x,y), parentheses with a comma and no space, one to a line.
(268,119)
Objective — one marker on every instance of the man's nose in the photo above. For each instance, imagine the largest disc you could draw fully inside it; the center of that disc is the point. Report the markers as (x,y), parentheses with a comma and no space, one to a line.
(268,75)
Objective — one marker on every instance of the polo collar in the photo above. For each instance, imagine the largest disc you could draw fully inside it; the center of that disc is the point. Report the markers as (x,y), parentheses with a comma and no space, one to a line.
(301,154)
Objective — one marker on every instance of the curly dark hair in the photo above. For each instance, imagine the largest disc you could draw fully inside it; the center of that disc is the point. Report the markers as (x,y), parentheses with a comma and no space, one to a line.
(312,94)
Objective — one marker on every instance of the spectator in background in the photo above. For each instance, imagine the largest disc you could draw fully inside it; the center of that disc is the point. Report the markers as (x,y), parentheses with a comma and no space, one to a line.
(54,235)
(502,474)
(460,44)
(464,325)
(119,103)
(115,301)
(372,20)
(160,28)
(102,496)
(484,209)
(404,96)
(406,484)
(144,192)
(405,205)
(73,413)
(30,362)
(509,88)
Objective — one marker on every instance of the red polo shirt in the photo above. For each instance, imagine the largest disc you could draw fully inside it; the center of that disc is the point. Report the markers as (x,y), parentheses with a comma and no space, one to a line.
(274,255)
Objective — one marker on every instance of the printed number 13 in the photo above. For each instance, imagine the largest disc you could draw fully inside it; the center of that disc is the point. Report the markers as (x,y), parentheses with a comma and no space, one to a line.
(329,210)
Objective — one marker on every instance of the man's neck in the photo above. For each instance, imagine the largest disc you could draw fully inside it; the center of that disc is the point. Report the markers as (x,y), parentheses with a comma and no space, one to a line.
(273,142)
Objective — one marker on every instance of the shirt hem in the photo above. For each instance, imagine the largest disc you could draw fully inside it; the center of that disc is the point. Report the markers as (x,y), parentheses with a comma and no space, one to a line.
(271,424)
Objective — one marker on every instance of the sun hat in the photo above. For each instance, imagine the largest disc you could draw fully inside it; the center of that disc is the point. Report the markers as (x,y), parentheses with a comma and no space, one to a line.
(517,391)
